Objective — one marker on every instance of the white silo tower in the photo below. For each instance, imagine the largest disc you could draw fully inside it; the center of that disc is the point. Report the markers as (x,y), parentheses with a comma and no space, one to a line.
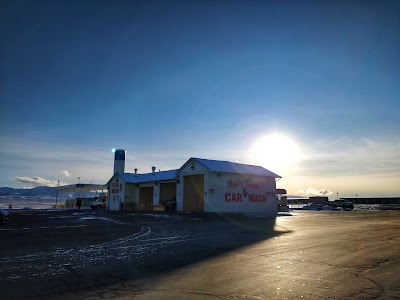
(119,161)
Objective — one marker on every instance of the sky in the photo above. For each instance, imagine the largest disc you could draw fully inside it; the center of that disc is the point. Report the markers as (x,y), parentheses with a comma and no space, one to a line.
(307,89)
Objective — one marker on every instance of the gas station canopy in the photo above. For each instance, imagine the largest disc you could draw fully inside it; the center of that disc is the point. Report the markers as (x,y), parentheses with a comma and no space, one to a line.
(82,187)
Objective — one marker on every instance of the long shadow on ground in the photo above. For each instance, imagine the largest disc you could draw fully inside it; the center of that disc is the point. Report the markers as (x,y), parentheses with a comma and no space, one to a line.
(133,247)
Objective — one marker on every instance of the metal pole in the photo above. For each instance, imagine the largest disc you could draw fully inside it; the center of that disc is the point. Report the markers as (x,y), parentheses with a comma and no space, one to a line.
(57,193)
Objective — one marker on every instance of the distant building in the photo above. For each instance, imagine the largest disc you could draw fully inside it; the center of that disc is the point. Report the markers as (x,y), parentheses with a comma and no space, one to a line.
(83,191)
(318,199)
(299,200)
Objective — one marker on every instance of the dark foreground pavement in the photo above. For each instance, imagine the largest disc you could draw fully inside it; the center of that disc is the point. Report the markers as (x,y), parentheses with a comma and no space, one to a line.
(95,255)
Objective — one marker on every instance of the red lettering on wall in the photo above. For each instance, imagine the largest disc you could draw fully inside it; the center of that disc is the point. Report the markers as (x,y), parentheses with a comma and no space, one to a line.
(233,197)
(235,183)
(227,197)
(257,198)
(239,197)
(253,198)
(253,186)
(238,183)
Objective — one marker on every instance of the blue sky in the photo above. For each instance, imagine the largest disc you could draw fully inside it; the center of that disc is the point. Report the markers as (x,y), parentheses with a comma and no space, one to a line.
(167,80)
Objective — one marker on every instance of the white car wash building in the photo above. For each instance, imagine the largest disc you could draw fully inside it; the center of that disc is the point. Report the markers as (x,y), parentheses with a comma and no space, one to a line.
(200,185)
(223,186)
(127,191)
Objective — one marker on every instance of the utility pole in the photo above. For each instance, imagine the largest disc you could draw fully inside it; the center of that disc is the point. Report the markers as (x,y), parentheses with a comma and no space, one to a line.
(58,184)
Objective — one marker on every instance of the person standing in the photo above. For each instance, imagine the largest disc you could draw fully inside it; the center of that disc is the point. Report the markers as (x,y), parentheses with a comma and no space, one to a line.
(79,203)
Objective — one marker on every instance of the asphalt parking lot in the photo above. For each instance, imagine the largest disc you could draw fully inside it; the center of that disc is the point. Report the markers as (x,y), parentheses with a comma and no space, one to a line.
(98,254)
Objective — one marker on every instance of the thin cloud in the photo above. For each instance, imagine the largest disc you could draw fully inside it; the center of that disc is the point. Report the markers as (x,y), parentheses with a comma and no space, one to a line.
(37,181)
(65,173)
(353,157)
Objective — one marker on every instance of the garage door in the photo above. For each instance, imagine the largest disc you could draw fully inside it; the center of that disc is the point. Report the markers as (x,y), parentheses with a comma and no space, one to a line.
(193,193)
(146,198)
(167,191)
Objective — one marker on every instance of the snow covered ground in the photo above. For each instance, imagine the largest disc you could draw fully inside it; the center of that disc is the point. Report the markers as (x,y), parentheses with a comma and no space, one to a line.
(357,207)
(32,202)
(27,202)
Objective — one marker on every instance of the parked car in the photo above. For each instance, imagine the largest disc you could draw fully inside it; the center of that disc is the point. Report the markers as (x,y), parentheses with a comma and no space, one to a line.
(3,216)
(99,203)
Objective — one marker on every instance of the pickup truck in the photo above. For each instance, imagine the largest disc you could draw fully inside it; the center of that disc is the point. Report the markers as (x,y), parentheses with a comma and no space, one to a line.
(99,203)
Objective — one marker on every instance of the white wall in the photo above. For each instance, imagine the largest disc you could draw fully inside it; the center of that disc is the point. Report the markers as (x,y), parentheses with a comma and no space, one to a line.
(225,193)
(156,194)
(116,193)
(239,193)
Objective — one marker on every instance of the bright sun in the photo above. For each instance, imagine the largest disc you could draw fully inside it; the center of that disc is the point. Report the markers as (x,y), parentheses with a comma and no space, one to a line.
(275,152)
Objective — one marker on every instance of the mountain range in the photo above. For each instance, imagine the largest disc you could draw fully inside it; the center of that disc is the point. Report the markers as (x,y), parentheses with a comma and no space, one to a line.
(37,191)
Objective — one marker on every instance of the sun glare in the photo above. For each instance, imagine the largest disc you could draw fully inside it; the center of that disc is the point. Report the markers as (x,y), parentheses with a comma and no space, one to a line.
(275,152)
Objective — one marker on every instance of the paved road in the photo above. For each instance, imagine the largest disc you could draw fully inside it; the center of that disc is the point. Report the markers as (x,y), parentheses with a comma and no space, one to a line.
(92,255)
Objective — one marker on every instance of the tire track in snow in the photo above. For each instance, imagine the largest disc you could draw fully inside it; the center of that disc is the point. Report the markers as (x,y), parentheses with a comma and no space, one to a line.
(55,262)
